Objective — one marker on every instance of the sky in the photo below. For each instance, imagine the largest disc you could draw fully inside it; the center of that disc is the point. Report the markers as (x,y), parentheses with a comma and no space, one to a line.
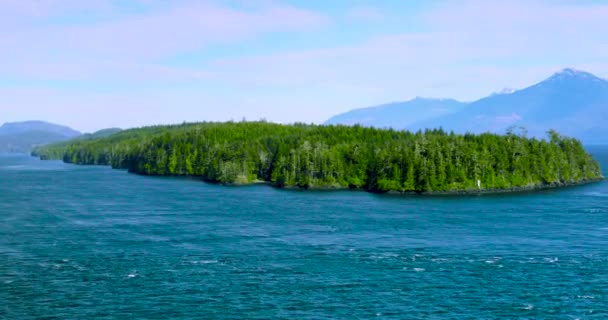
(111,63)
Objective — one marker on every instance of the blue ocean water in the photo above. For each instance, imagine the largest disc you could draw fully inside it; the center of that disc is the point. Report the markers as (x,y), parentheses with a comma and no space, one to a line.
(81,242)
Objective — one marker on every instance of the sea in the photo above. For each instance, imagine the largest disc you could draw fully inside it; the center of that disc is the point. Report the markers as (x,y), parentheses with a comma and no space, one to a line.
(88,242)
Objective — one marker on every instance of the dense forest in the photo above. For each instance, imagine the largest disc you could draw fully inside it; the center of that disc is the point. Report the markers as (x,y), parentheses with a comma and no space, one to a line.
(311,156)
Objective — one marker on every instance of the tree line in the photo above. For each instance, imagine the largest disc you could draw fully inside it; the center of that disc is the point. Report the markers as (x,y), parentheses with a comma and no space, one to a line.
(313,156)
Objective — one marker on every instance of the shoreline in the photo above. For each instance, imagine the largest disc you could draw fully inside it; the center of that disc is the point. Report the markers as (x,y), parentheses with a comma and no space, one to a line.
(512,190)
(468,192)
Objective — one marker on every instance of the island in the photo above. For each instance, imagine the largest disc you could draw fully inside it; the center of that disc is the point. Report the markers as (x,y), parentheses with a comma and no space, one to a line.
(338,157)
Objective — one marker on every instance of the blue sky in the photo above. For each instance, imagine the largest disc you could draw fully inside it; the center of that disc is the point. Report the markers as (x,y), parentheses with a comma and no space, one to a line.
(102,63)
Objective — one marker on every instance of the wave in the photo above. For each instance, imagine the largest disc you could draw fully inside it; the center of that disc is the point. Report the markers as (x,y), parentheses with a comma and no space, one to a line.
(22,167)
(12,167)
(596,194)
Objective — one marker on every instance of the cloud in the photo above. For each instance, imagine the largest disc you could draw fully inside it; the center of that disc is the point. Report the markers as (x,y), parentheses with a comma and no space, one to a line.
(16,14)
(459,49)
(457,42)
(474,47)
(157,32)
(41,44)
(522,27)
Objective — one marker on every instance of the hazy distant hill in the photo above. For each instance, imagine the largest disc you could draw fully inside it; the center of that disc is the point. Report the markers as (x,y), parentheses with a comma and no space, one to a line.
(398,114)
(23,136)
(29,126)
(575,103)
(100,134)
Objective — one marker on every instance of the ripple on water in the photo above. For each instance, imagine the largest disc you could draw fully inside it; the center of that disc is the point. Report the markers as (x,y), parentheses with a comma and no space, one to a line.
(205,262)
(596,194)
(89,243)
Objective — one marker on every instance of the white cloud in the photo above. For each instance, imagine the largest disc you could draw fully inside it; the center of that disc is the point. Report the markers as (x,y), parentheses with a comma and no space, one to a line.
(153,34)
(464,49)
(460,49)
(121,54)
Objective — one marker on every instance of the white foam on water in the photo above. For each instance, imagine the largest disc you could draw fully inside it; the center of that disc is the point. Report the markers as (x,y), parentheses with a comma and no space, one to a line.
(131,275)
(21,167)
(383,256)
(528,307)
(585,297)
(419,269)
(205,262)
(595,194)
(13,167)
(440,260)
(493,260)
(416,256)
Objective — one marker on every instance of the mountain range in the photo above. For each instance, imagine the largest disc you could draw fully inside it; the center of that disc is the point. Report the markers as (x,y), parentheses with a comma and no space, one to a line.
(21,137)
(575,103)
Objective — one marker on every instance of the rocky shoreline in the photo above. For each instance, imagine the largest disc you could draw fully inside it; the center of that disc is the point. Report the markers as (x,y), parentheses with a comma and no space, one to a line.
(467,192)
(472,191)
(504,191)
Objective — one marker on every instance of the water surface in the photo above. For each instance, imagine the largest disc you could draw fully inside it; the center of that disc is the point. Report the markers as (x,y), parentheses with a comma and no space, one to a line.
(90,242)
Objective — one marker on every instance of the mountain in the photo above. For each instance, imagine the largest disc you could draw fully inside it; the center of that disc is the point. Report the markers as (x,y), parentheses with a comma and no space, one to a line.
(100,134)
(398,114)
(23,136)
(29,126)
(575,103)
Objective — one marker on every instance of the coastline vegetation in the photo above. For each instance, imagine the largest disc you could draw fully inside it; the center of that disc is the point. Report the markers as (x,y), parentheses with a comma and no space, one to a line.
(336,157)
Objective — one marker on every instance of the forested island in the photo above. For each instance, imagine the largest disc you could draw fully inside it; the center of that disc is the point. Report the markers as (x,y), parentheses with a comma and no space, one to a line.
(338,157)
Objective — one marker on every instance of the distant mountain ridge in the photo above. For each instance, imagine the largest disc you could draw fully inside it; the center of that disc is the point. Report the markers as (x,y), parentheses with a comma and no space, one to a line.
(100,133)
(28,126)
(21,137)
(389,115)
(573,102)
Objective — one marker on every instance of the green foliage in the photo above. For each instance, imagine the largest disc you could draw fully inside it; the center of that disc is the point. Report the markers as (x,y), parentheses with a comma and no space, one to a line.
(310,156)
